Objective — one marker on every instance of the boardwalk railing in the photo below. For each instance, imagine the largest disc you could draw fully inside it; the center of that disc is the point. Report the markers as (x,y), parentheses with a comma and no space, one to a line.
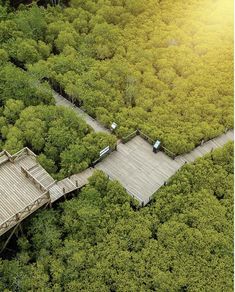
(7,224)
(168,152)
(111,149)
(4,156)
(134,134)
(33,179)
(129,137)
(22,152)
(145,137)
(148,139)
(19,154)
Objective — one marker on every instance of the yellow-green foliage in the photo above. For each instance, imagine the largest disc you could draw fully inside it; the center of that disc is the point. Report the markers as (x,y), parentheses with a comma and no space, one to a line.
(165,67)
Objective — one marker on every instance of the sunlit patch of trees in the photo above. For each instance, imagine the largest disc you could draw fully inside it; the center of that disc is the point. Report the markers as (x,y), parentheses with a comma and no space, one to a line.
(163,67)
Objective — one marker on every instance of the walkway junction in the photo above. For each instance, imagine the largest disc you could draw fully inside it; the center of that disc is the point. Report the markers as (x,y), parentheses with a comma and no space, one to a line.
(25,186)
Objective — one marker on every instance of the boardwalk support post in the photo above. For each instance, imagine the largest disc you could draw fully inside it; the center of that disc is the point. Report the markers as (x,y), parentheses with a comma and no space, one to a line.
(9,237)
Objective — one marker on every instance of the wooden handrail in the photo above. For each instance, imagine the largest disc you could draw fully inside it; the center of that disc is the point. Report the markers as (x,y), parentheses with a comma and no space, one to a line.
(30,152)
(145,136)
(16,217)
(128,136)
(2,154)
(35,181)
(19,153)
(23,151)
(172,153)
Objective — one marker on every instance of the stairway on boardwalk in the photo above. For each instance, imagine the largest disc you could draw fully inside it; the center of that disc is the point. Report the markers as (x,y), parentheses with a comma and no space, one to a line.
(70,184)
(57,189)
(41,175)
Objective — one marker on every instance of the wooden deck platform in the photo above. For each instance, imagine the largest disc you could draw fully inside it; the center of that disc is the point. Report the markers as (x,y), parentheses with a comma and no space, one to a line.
(143,172)
(25,186)
(20,194)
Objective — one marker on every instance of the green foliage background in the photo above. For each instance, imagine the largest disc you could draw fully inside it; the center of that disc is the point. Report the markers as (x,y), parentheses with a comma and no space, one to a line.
(161,66)
(165,67)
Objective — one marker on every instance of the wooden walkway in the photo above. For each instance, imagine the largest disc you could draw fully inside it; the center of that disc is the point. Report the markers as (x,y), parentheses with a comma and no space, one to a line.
(143,172)
(25,186)
(20,194)
(96,126)
(70,184)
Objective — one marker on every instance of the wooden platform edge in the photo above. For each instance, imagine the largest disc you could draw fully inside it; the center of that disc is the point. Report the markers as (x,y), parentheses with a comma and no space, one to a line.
(25,212)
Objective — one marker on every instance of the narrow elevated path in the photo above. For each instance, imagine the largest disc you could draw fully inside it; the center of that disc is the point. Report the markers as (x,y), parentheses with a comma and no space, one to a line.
(70,184)
(97,127)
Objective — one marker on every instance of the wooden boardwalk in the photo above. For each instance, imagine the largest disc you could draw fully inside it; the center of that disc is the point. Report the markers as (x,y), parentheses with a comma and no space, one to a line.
(143,172)
(96,126)
(70,184)
(25,186)
(20,194)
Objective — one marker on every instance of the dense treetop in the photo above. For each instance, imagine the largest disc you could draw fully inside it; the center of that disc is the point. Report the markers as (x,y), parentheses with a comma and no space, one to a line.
(99,241)
(162,66)
(64,142)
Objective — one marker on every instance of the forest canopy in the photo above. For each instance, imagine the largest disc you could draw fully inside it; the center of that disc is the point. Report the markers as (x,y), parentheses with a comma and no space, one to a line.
(64,142)
(165,67)
(162,66)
